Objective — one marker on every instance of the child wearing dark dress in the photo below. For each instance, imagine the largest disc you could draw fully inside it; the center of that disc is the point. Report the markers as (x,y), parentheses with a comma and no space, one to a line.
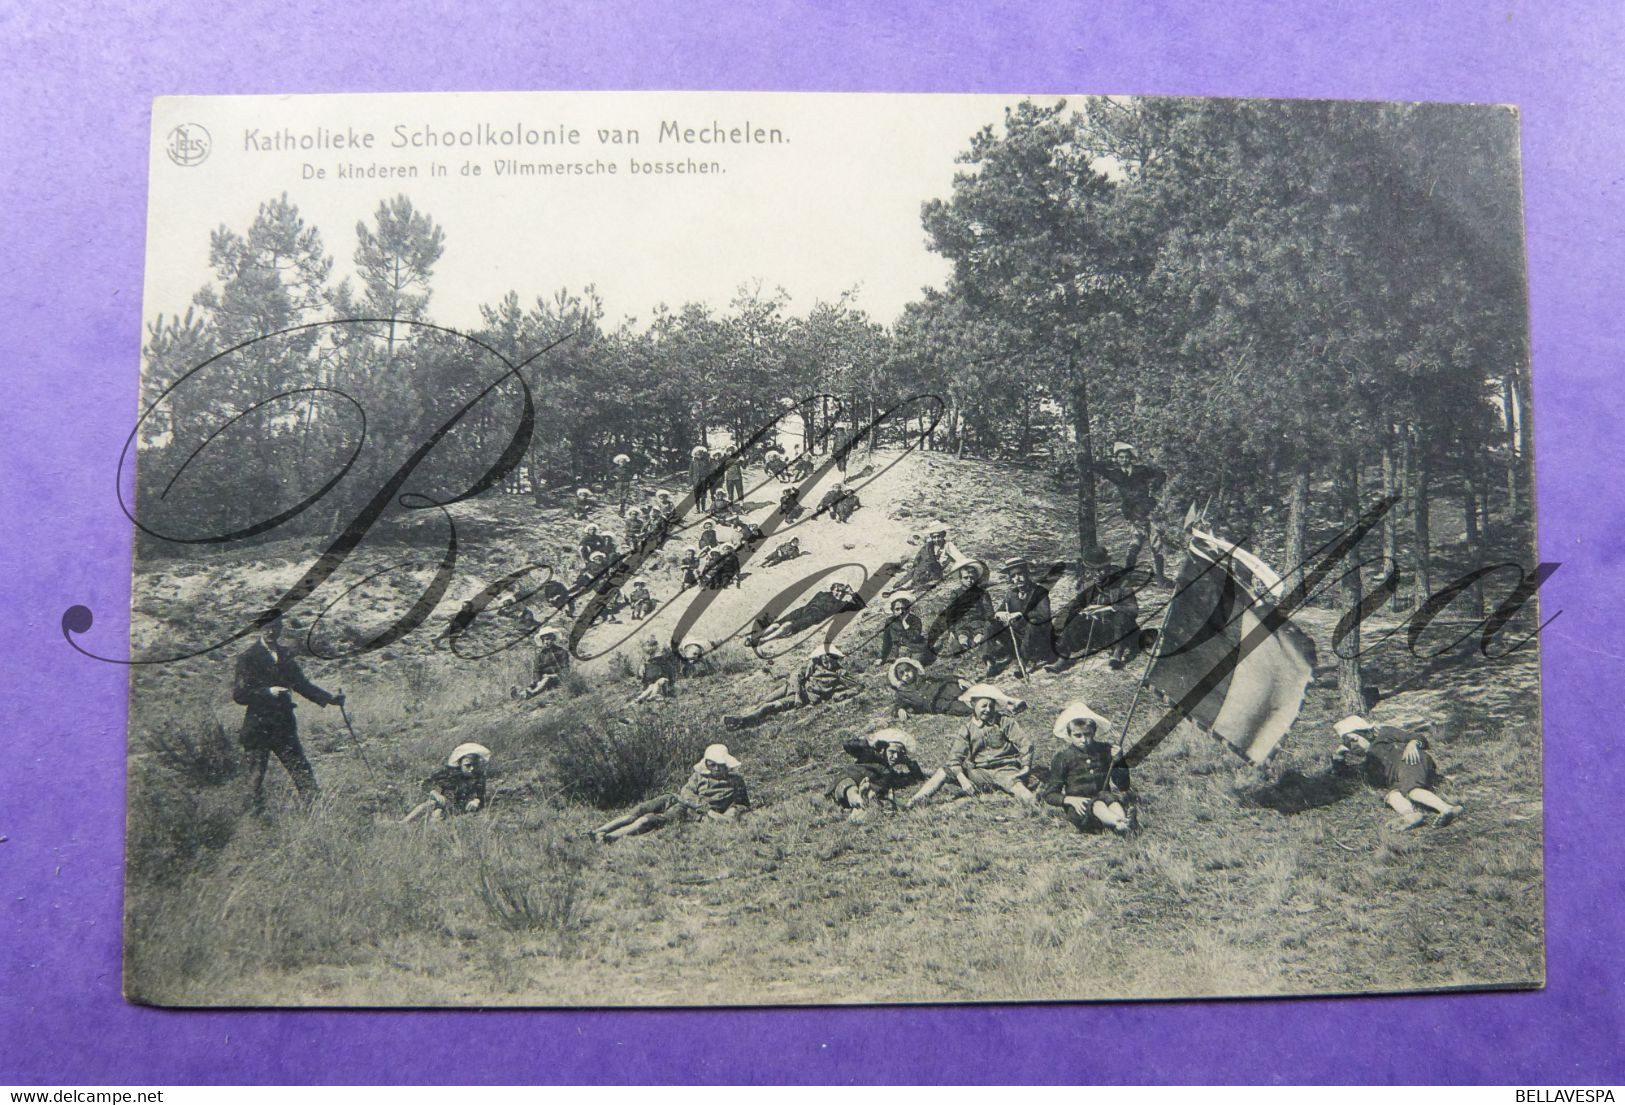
(883,763)
(1398,764)
(457,788)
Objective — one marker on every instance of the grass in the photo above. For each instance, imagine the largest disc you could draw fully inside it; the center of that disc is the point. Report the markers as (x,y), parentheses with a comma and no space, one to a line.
(1283,881)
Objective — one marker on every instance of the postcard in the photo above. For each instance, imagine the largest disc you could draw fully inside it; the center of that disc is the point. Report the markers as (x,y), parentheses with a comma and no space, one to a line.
(673,549)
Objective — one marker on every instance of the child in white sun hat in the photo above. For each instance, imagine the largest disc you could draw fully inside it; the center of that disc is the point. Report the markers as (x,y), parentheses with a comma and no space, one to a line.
(715,791)
(458,787)
(1398,764)
(1085,781)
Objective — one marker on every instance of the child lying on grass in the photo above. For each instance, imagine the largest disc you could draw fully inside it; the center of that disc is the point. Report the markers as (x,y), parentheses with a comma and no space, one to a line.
(1398,764)
(715,792)
(884,763)
(457,788)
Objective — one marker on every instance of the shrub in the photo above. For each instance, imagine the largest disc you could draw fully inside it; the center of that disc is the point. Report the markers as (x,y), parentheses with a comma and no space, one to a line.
(204,757)
(610,761)
(534,893)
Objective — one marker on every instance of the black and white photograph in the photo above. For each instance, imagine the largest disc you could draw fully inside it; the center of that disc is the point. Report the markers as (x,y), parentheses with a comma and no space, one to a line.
(719,549)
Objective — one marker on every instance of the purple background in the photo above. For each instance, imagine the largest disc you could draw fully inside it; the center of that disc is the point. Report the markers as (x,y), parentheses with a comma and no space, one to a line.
(73,142)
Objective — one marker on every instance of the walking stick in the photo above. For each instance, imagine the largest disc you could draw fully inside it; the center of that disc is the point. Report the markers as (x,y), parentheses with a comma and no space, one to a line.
(1015,646)
(355,741)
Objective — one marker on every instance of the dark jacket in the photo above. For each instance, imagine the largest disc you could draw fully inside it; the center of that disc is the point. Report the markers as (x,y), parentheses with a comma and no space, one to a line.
(821,607)
(780,554)
(1077,632)
(1081,773)
(1031,630)
(457,788)
(904,635)
(1138,487)
(269,721)
(933,694)
(968,613)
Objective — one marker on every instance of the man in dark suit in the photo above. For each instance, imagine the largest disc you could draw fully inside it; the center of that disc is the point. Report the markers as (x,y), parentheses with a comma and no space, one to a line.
(266,677)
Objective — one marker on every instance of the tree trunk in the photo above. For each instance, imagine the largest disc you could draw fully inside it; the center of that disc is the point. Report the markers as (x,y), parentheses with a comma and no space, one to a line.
(1390,521)
(1088,528)
(1350,593)
(1421,583)
(1297,518)
(1509,401)
(1404,487)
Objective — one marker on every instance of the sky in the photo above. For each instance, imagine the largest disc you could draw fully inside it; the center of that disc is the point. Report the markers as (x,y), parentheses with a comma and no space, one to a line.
(835,205)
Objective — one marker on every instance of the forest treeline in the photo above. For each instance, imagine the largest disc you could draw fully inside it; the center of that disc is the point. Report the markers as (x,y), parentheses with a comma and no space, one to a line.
(1289,306)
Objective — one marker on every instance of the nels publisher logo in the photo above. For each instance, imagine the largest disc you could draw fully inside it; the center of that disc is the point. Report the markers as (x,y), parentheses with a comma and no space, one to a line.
(188,144)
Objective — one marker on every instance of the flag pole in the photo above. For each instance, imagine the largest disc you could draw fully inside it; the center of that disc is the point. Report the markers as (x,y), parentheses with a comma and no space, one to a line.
(1139,689)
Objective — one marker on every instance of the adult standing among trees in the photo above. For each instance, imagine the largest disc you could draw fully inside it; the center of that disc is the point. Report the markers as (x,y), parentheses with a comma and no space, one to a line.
(699,472)
(623,481)
(1138,485)
(733,481)
(267,677)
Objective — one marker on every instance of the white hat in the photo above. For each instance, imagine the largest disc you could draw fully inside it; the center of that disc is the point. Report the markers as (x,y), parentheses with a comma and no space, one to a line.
(717,754)
(988,690)
(1073,712)
(582,493)
(828,650)
(551,632)
(935,526)
(892,736)
(960,565)
(469,749)
(902,596)
(900,663)
(697,451)
(622,458)
(1124,447)
(694,643)
(1352,724)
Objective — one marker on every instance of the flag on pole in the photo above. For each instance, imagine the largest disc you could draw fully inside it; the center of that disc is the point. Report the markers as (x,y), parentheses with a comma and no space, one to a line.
(1225,656)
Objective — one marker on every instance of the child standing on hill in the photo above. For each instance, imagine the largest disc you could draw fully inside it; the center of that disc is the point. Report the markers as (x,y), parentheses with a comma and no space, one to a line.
(715,791)
(457,788)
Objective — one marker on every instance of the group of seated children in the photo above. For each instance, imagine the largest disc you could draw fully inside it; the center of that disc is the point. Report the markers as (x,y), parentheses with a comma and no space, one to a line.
(1087,782)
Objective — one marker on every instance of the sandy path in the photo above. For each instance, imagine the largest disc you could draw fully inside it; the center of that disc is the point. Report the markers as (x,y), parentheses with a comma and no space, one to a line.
(879,531)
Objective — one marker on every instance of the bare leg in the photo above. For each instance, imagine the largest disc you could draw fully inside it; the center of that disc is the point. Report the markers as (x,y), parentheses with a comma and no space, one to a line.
(616,823)
(1402,806)
(419,811)
(1447,811)
(647,823)
(928,788)
(1016,790)
(765,710)
(1111,815)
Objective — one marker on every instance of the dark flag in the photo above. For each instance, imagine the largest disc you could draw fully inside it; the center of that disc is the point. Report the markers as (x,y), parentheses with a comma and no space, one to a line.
(1221,658)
